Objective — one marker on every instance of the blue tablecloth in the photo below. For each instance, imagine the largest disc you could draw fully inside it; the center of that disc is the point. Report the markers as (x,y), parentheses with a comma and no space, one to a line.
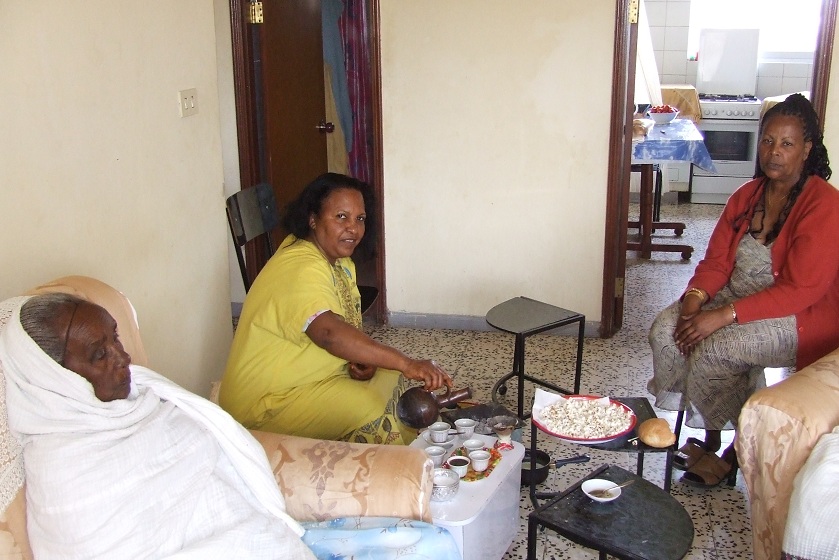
(678,141)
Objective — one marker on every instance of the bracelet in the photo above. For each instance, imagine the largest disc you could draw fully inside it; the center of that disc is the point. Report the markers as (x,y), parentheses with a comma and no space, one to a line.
(695,292)
(733,313)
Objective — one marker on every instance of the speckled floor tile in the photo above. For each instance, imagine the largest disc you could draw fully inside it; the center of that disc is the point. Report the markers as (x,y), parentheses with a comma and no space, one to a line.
(620,365)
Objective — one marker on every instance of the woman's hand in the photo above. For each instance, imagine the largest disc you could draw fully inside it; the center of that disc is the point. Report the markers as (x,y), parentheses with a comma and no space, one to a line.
(693,329)
(361,372)
(427,371)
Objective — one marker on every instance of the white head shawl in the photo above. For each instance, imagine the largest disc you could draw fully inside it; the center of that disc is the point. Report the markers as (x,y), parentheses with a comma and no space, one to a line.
(45,399)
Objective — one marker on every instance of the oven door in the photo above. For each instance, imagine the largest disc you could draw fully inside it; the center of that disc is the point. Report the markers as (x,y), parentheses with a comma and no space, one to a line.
(732,145)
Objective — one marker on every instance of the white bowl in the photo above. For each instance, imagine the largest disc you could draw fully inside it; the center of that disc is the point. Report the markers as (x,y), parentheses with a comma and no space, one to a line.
(600,484)
(446,483)
(663,118)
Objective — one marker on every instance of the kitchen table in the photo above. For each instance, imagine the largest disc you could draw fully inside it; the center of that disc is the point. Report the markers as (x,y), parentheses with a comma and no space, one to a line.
(679,140)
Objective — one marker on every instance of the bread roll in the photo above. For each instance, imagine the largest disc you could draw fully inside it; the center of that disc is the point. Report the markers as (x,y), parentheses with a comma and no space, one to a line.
(656,432)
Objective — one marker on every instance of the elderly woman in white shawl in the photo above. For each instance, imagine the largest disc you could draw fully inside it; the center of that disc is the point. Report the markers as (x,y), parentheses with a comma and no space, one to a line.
(122,463)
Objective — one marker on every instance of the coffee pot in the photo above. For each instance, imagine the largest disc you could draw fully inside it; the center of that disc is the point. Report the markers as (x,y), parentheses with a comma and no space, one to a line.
(419,408)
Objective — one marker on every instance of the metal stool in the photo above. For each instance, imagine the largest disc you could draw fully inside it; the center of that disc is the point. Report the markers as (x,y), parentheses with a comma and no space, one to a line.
(523,317)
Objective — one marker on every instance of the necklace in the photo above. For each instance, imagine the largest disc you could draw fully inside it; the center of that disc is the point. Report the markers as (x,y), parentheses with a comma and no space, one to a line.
(770,200)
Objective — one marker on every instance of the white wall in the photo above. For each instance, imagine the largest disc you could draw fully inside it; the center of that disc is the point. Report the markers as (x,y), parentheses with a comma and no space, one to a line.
(100,176)
(496,119)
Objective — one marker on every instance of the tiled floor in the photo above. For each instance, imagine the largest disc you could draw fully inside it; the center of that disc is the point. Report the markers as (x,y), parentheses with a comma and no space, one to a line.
(620,365)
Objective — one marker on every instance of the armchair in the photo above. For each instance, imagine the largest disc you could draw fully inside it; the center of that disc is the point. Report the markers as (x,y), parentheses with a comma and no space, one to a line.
(320,480)
(778,428)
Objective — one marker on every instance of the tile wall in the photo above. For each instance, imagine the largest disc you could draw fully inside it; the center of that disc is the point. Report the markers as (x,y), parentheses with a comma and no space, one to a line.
(669,21)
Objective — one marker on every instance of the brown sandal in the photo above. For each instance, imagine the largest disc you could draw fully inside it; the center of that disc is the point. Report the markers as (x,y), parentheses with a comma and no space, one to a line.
(689,454)
(709,471)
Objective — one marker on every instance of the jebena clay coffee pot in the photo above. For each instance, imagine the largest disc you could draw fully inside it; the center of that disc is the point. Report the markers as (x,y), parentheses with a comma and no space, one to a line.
(419,408)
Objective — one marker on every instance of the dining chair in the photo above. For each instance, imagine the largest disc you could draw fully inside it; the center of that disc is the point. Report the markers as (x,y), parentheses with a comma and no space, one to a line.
(252,213)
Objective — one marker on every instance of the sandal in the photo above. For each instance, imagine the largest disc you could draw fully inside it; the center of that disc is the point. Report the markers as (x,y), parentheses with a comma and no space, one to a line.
(689,454)
(709,471)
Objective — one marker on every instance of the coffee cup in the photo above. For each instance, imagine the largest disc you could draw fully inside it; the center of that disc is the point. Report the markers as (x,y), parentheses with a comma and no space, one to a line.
(459,464)
(465,427)
(439,432)
(480,460)
(473,444)
(435,453)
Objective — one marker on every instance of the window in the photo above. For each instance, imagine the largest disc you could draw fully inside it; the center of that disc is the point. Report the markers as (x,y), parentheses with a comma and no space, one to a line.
(788,30)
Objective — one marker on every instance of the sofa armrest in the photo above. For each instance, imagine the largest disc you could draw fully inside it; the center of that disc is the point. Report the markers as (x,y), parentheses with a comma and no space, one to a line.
(777,430)
(323,479)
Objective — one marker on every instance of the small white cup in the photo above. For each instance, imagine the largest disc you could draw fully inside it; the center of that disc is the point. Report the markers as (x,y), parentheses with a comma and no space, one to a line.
(480,460)
(473,445)
(459,464)
(465,427)
(435,453)
(439,432)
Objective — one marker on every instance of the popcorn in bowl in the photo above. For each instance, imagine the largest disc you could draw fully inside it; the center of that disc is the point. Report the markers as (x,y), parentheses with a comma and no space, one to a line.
(583,418)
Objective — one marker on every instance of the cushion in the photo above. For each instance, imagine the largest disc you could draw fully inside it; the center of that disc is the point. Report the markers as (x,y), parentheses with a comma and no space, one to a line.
(814,506)
(323,479)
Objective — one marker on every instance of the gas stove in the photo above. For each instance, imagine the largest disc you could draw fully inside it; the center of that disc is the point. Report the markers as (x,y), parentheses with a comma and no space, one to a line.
(726,106)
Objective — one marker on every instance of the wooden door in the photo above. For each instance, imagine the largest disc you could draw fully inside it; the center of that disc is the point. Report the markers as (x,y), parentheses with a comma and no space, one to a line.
(617,200)
(290,69)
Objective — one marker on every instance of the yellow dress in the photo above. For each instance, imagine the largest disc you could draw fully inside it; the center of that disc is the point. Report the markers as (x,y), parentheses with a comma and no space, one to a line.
(278,380)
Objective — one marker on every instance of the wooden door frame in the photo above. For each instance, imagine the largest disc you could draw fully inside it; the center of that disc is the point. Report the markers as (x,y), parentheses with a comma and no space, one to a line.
(617,188)
(242,33)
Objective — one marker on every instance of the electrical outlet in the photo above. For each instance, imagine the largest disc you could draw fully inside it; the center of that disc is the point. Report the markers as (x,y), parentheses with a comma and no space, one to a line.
(188,102)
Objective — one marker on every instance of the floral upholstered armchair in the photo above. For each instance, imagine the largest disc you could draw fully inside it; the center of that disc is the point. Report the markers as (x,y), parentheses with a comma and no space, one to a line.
(320,480)
(779,427)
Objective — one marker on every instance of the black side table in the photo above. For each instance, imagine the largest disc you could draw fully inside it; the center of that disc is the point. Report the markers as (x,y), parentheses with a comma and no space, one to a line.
(524,317)
(644,523)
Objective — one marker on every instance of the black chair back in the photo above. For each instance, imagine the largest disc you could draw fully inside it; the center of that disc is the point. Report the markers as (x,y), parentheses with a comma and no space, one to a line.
(251,213)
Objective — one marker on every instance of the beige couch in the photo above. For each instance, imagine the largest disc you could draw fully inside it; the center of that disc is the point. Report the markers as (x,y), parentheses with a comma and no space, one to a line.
(319,479)
(778,428)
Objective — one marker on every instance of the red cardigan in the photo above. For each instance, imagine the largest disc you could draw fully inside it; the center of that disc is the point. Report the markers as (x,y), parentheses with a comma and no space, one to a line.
(805,263)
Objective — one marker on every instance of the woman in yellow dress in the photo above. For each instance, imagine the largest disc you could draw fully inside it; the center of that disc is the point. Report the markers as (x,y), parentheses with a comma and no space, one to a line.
(300,363)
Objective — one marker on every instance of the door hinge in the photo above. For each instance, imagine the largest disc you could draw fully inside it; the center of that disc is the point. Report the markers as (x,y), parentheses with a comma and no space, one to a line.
(255,12)
(619,282)
(633,11)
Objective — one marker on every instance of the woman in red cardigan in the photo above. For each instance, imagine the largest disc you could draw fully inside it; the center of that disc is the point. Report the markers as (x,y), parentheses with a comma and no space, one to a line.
(765,295)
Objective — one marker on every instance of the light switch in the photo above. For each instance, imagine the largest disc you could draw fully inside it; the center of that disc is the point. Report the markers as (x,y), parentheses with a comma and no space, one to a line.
(188,101)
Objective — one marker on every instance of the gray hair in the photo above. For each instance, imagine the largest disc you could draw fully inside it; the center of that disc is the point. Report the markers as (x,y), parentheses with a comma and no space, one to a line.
(37,317)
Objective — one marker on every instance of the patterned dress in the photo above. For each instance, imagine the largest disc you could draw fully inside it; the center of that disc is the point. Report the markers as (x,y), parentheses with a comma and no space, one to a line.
(714,381)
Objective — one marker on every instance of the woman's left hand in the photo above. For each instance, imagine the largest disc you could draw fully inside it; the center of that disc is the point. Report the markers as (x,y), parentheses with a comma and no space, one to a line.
(427,371)
(692,331)
(361,372)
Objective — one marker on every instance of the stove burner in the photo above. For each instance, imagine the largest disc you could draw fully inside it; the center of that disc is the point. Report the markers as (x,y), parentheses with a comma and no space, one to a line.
(727,97)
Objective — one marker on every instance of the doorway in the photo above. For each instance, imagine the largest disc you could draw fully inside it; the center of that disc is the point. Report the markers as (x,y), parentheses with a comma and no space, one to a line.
(617,190)
(279,88)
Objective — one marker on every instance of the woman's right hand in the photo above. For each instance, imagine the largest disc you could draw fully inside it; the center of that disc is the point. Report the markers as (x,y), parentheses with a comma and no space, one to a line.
(693,329)
(427,371)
